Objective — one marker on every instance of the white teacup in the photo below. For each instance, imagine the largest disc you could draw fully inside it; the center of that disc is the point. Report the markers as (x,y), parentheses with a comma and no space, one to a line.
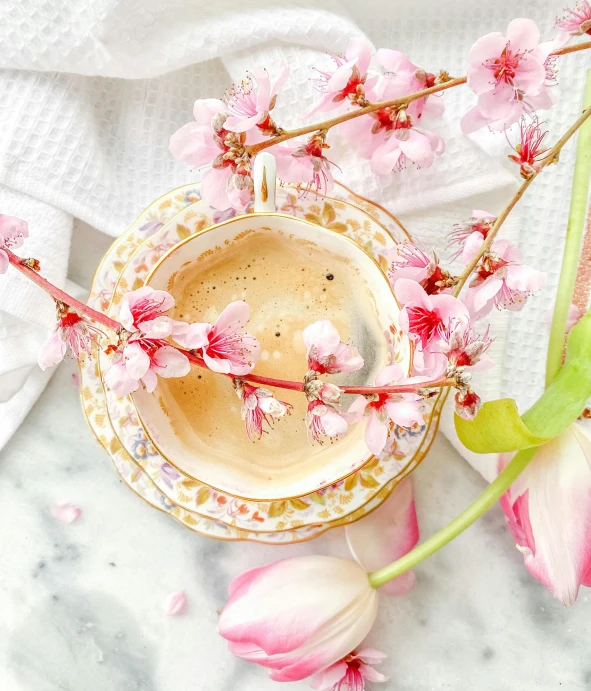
(292,273)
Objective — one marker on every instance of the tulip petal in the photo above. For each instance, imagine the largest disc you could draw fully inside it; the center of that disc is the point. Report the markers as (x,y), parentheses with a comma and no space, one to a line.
(383,536)
(376,434)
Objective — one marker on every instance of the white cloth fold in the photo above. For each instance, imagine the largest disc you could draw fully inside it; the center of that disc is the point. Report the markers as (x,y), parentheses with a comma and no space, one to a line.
(93,89)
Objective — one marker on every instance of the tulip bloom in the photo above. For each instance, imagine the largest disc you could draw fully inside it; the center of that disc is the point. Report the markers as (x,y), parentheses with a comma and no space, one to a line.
(298,616)
(548,509)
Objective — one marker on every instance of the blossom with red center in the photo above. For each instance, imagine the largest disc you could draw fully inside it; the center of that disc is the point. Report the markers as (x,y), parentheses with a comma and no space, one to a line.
(405,143)
(207,142)
(403,77)
(13,231)
(305,164)
(464,348)
(529,151)
(144,310)
(470,235)
(140,361)
(409,261)
(577,21)
(249,104)
(72,334)
(508,74)
(259,407)
(502,281)
(467,403)
(349,80)
(326,353)
(403,409)
(324,420)
(350,673)
(225,346)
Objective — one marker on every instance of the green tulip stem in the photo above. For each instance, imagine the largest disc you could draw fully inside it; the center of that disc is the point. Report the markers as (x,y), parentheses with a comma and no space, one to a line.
(572,248)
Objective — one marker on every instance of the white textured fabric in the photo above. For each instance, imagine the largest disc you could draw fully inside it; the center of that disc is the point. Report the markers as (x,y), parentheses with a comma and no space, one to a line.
(92,90)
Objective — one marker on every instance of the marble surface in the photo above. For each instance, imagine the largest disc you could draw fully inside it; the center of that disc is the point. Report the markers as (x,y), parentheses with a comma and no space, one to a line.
(81,604)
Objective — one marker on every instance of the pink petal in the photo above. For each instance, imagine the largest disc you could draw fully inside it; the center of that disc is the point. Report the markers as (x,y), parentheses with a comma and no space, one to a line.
(389,375)
(193,144)
(214,187)
(410,292)
(394,60)
(119,381)
(149,381)
(471,246)
(340,77)
(384,536)
(371,656)
(175,603)
(334,424)
(281,79)
(192,335)
(449,308)
(66,513)
(523,34)
(161,327)
(473,120)
(137,361)
(386,156)
(376,434)
(356,410)
(486,292)
(323,335)
(169,362)
(329,677)
(52,351)
(525,278)
(405,413)
(205,108)
(233,316)
(417,148)
(372,674)
(488,46)
(361,50)
(236,124)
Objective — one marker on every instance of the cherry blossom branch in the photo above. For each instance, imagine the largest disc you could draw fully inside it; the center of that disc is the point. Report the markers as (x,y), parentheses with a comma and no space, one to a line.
(325,125)
(60,295)
(117,327)
(551,157)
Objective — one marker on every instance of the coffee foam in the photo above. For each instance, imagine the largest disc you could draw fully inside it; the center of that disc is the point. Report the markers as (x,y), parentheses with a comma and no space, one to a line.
(289,283)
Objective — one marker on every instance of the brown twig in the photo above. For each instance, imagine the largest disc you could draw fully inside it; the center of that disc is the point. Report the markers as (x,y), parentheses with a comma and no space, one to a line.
(254,149)
(550,158)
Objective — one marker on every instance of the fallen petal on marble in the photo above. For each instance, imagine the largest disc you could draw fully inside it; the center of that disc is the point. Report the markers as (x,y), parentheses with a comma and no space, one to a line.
(387,534)
(66,513)
(175,603)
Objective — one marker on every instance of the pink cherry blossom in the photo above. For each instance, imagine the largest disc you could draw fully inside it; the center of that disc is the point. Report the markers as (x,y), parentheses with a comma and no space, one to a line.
(402,409)
(13,231)
(528,151)
(298,616)
(66,513)
(207,142)
(175,603)
(409,261)
(226,347)
(548,509)
(406,143)
(250,103)
(403,77)
(326,353)
(464,348)
(508,74)
(348,81)
(144,309)
(387,534)
(72,334)
(259,407)
(324,420)
(502,281)
(305,164)
(350,673)
(140,362)
(577,21)
(470,235)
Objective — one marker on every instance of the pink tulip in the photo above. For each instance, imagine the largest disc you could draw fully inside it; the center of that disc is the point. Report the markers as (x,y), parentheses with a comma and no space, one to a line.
(403,409)
(298,616)
(250,103)
(226,347)
(502,281)
(326,354)
(12,233)
(548,509)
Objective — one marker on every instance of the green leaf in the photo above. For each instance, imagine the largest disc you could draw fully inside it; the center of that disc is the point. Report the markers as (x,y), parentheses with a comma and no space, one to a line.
(497,428)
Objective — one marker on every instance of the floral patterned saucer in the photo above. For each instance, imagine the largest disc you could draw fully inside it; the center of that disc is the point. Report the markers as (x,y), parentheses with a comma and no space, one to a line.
(196,505)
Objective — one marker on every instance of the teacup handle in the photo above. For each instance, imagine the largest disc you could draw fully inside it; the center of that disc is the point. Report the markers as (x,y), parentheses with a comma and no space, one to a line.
(265,180)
